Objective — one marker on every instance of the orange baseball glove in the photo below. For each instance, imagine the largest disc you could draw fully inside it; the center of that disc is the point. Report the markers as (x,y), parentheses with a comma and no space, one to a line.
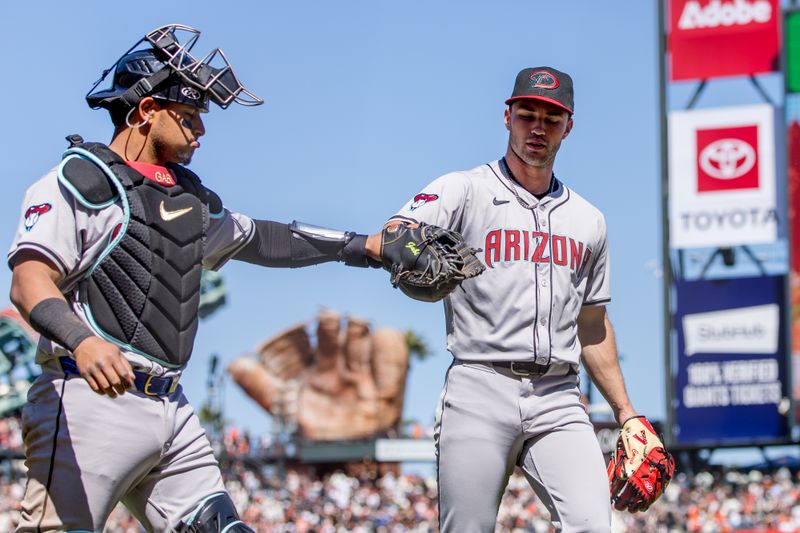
(640,468)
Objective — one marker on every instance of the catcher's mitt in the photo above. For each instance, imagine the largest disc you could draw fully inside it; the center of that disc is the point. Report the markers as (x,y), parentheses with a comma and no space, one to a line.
(427,262)
(640,468)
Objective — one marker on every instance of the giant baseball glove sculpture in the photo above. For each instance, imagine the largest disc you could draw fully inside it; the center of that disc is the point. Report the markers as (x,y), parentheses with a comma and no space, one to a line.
(427,262)
(350,386)
(640,468)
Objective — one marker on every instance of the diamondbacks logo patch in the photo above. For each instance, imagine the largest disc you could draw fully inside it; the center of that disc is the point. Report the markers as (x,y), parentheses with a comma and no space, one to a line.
(541,79)
(32,214)
(422,199)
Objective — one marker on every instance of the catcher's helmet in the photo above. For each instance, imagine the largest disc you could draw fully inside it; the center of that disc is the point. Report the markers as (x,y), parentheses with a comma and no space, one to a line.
(166,70)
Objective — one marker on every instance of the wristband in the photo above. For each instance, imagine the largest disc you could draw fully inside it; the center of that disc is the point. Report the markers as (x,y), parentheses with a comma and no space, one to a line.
(354,252)
(54,319)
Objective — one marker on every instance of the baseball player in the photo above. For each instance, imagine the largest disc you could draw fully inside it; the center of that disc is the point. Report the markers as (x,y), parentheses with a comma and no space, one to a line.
(517,333)
(106,266)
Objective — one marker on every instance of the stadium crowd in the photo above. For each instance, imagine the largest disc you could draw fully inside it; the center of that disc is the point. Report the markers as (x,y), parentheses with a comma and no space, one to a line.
(275,500)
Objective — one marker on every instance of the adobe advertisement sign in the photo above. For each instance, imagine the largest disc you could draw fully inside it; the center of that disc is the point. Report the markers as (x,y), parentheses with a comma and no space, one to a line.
(716,38)
(730,386)
(722,177)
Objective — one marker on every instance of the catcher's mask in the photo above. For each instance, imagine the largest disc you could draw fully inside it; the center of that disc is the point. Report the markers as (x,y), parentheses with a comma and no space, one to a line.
(161,65)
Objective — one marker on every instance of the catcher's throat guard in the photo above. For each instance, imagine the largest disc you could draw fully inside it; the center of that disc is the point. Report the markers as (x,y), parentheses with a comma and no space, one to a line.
(161,65)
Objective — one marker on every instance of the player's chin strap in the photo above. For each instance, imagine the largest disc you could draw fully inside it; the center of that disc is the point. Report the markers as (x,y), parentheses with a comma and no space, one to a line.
(214,514)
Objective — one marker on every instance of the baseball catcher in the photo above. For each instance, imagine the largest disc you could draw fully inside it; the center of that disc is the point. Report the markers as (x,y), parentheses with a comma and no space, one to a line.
(640,468)
(427,262)
(107,262)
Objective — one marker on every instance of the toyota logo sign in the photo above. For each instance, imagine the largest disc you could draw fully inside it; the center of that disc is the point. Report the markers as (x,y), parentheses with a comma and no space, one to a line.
(727,159)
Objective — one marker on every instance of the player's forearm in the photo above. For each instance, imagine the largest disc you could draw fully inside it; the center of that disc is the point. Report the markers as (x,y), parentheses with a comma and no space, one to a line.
(600,359)
(603,368)
(373,246)
(35,293)
(297,245)
(32,282)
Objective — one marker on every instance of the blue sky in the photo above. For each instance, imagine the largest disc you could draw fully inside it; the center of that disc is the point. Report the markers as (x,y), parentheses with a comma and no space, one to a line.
(366,102)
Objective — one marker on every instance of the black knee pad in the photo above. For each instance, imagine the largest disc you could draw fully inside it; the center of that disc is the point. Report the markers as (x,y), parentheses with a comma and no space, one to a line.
(215,514)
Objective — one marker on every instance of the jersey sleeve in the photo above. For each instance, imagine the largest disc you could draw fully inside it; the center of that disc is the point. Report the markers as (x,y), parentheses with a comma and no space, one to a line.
(228,233)
(598,284)
(48,226)
(441,203)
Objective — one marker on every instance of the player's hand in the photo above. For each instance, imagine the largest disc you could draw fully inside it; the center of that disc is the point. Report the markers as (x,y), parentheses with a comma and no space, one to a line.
(349,386)
(375,240)
(103,367)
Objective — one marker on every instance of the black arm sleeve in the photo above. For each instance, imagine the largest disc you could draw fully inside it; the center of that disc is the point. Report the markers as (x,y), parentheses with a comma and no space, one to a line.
(54,319)
(276,245)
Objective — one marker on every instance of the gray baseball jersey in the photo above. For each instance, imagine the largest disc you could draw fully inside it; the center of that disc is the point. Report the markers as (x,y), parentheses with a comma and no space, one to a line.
(545,259)
(86,452)
(71,236)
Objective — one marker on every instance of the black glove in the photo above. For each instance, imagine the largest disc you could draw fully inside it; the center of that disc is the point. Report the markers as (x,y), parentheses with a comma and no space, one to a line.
(427,262)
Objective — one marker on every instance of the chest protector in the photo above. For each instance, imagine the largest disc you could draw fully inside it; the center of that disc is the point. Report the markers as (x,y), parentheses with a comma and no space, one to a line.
(143,291)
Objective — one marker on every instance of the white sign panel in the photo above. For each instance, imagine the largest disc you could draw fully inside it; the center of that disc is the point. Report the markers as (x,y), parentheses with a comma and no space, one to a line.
(399,450)
(752,330)
(722,177)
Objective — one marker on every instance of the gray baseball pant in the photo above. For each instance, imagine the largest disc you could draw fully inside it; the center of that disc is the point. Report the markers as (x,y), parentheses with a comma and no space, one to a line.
(86,452)
(489,420)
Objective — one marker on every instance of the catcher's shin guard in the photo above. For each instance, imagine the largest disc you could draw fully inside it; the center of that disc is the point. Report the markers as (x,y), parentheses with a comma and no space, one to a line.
(215,514)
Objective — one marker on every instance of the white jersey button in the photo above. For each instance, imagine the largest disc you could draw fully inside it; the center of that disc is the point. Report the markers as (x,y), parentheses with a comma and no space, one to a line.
(544,283)
(543,321)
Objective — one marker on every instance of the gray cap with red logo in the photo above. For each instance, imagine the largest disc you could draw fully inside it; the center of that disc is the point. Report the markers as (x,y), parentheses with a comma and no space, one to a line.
(544,83)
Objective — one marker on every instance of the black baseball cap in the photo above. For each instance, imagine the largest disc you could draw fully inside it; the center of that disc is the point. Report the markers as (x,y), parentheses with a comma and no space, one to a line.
(544,83)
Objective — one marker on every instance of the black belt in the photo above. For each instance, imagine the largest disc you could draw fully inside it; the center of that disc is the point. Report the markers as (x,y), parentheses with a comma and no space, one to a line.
(144,383)
(529,368)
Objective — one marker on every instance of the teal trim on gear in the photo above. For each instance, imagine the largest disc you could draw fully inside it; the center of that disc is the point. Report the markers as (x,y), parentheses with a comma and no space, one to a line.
(126,216)
(122,344)
(126,209)
(75,192)
(190,519)
(237,522)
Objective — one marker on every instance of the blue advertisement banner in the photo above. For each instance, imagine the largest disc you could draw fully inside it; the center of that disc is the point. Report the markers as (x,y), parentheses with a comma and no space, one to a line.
(731,380)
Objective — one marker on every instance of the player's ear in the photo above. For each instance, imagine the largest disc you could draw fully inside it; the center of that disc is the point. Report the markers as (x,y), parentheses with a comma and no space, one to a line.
(507,118)
(147,106)
(569,128)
